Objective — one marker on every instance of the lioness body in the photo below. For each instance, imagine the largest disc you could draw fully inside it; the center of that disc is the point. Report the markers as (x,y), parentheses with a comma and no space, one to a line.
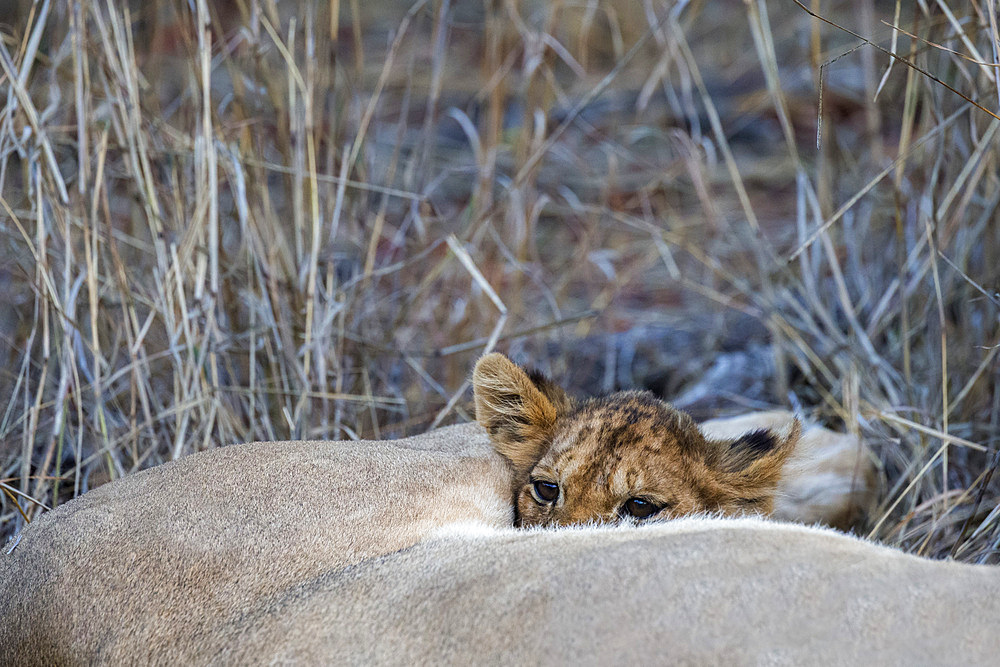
(334,550)
(692,591)
(173,550)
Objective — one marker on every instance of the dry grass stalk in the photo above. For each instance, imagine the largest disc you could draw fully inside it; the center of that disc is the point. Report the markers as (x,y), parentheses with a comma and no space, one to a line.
(240,220)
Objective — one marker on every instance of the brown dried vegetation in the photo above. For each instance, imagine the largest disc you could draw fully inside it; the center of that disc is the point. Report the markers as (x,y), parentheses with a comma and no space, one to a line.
(241,220)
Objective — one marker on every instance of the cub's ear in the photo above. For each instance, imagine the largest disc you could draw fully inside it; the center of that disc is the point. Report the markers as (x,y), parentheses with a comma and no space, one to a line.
(752,463)
(560,399)
(517,408)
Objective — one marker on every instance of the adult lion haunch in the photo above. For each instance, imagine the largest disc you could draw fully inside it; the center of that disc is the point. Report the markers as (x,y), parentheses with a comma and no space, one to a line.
(401,551)
(691,591)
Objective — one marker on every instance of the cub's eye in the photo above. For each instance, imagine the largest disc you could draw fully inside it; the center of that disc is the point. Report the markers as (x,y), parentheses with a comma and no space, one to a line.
(640,508)
(545,492)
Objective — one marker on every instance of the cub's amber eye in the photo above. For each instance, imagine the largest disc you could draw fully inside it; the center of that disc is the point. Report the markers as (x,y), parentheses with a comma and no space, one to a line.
(640,508)
(545,492)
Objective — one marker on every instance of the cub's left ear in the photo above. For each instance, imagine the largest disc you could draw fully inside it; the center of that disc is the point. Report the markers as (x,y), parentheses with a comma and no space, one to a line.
(517,408)
(755,459)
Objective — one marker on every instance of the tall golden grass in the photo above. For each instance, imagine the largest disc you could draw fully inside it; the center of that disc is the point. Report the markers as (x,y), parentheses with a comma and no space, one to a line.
(241,220)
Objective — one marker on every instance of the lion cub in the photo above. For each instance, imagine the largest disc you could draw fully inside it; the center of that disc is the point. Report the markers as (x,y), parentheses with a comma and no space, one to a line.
(624,457)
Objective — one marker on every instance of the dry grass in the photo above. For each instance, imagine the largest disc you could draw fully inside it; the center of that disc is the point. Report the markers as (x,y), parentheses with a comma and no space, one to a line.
(229,221)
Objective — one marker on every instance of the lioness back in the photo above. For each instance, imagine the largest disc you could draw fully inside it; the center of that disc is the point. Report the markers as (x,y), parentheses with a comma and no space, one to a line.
(404,551)
(154,560)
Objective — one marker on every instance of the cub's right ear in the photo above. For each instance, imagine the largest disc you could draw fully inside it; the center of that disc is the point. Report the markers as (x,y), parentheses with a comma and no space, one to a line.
(518,414)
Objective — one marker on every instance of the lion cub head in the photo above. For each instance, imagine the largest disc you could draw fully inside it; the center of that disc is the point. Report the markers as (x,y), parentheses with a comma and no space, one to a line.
(624,457)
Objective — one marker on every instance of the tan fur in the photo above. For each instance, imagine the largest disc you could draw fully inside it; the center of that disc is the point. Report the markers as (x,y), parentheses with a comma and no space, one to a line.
(691,591)
(140,567)
(606,453)
(402,552)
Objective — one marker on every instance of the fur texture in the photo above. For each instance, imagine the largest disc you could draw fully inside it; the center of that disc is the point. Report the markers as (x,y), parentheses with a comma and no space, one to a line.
(691,591)
(136,569)
(403,552)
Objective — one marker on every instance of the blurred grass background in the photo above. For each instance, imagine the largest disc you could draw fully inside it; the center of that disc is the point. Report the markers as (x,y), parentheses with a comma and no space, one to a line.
(240,220)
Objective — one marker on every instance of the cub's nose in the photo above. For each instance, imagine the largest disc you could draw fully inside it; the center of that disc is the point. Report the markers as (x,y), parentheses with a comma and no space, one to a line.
(578,514)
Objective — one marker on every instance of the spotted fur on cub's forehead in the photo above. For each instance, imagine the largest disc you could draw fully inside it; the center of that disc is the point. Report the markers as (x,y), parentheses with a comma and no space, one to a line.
(620,442)
(626,421)
(637,425)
